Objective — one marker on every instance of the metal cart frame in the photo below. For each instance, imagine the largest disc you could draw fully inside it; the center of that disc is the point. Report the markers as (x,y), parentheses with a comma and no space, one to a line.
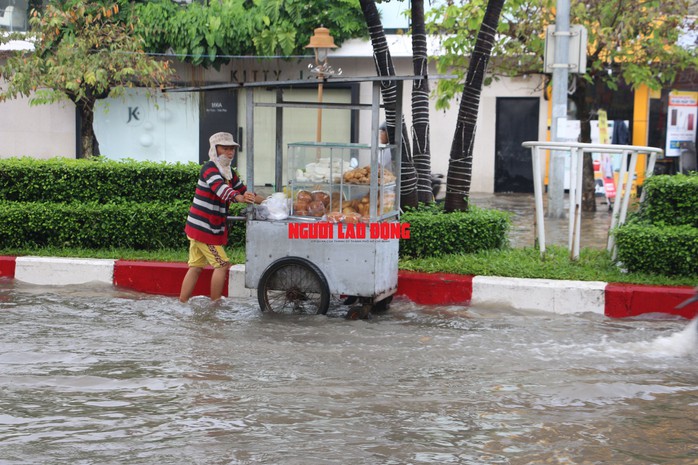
(299,276)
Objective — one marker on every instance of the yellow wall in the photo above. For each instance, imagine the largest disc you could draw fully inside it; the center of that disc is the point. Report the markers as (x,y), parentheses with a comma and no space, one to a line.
(641,114)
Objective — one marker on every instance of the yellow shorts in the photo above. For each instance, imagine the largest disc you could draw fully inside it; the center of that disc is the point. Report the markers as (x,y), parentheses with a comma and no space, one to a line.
(201,254)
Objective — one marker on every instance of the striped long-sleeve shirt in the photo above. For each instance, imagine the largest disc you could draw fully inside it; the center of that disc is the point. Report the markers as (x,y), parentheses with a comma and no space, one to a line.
(207,216)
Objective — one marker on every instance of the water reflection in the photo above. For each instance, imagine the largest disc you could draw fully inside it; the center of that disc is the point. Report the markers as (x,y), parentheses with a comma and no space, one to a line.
(99,375)
(594,228)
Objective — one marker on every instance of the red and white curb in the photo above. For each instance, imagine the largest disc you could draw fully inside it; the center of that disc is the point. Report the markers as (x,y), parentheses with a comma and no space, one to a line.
(557,296)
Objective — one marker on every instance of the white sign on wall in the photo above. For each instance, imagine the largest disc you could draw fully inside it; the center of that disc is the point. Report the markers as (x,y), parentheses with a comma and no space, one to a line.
(682,117)
(162,128)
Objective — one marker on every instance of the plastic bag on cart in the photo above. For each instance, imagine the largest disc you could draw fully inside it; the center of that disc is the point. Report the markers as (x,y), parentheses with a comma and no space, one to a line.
(276,206)
(261,212)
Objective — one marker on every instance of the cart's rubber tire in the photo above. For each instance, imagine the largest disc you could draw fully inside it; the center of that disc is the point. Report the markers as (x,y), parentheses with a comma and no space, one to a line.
(293,285)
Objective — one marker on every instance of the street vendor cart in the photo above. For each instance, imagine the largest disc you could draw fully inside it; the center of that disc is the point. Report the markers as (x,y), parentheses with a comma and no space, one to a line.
(341,236)
(339,240)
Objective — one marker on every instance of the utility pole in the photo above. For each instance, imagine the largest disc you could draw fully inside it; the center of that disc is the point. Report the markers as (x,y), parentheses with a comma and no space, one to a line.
(556,184)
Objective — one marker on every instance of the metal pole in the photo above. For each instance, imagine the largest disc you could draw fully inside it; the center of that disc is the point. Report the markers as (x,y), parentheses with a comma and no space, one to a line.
(318,135)
(279,158)
(538,191)
(556,187)
(249,155)
(579,155)
(249,117)
(573,154)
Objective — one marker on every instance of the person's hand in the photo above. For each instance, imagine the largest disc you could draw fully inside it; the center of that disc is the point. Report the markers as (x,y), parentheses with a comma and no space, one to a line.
(249,197)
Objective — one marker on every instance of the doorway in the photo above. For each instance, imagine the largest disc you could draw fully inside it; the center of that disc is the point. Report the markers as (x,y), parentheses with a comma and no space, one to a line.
(218,113)
(517,122)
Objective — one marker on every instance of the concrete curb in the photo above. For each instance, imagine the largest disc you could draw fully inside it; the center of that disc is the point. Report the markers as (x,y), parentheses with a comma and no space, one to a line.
(558,296)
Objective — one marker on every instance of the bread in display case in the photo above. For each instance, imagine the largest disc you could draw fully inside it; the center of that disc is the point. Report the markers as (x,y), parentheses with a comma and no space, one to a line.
(341,182)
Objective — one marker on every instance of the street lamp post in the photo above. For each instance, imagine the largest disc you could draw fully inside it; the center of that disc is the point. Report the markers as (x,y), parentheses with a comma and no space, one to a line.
(321,42)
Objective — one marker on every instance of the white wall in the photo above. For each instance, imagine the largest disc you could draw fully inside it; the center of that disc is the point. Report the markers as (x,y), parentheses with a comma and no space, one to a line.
(164,127)
(42,131)
(47,131)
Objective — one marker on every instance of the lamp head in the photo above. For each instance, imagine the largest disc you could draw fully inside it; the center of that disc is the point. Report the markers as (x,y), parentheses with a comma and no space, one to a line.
(321,42)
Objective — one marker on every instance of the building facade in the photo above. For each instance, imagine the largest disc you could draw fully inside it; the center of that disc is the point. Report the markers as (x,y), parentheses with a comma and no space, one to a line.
(174,127)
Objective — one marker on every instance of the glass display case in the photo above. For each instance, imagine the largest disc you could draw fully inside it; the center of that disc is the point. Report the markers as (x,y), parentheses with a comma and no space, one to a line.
(346,183)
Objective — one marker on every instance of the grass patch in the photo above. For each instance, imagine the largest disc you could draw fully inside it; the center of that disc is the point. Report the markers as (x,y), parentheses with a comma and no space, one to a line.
(593,264)
(236,255)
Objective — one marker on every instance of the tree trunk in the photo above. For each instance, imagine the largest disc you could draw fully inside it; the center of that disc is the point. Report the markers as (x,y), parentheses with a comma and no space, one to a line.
(584,115)
(88,142)
(420,105)
(460,165)
(384,67)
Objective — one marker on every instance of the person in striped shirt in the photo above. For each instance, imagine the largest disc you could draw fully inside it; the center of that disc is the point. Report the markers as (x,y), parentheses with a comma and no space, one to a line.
(206,227)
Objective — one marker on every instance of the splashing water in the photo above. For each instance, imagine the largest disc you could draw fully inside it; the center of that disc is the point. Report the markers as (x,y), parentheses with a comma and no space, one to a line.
(682,343)
(679,344)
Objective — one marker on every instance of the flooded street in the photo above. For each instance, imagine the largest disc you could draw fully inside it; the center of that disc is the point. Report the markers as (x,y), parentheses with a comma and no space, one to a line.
(98,375)
(594,228)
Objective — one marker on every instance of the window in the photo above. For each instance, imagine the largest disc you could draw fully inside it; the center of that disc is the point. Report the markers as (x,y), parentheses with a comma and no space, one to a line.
(13,15)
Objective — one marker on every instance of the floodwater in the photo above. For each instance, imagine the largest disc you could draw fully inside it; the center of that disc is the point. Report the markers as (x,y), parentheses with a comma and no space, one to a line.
(97,375)
(594,227)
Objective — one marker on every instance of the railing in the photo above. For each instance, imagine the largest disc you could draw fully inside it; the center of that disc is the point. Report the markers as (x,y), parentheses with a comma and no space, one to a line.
(576,151)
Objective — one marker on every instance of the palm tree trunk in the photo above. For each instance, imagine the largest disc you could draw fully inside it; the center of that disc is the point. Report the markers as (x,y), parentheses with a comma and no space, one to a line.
(460,166)
(420,105)
(384,67)
(584,115)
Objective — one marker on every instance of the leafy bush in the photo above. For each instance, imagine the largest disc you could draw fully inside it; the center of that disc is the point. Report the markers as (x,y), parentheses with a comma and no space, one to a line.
(91,225)
(434,232)
(662,237)
(208,35)
(237,231)
(667,250)
(97,204)
(101,180)
(671,200)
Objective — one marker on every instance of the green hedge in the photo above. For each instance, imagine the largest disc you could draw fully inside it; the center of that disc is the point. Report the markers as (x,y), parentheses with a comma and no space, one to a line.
(667,250)
(95,204)
(662,237)
(435,233)
(98,203)
(96,180)
(671,200)
(91,225)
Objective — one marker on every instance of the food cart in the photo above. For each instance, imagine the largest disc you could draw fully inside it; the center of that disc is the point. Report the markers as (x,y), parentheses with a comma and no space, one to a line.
(341,237)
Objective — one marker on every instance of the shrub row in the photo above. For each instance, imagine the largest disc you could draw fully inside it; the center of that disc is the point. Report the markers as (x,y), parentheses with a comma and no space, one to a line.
(92,225)
(671,200)
(157,225)
(103,203)
(95,180)
(435,233)
(662,237)
(667,250)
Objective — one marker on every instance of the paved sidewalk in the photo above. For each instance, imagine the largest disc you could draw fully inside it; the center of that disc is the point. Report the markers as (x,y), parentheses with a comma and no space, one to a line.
(558,296)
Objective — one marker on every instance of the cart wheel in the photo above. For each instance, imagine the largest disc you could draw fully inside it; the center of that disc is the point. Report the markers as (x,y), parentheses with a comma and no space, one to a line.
(293,285)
